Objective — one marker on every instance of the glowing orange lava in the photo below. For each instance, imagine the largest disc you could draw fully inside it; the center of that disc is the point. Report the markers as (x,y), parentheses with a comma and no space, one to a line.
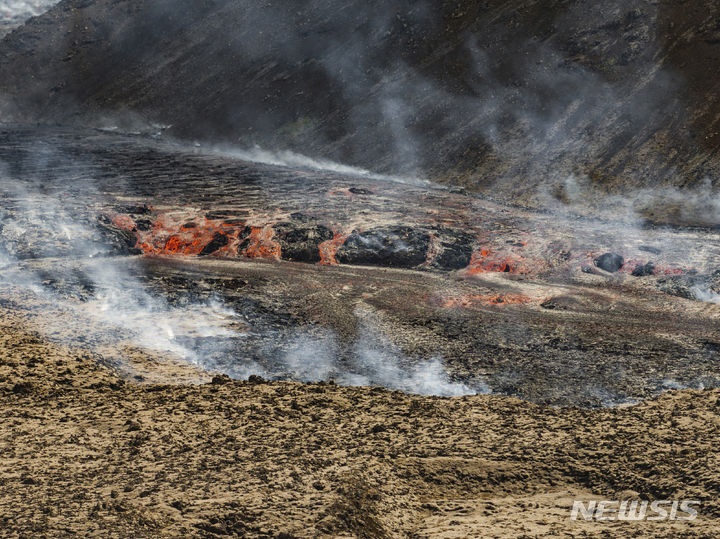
(485,261)
(123,222)
(667,270)
(188,239)
(328,249)
(263,244)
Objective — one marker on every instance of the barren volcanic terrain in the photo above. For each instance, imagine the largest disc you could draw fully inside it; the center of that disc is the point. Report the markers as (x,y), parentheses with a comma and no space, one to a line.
(85,453)
(501,96)
(359,269)
(139,273)
(511,301)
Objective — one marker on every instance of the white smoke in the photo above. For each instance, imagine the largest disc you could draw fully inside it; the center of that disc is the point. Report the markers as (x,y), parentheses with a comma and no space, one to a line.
(14,12)
(51,248)
(115,299)
(373,360)
(287,158)
(703,293)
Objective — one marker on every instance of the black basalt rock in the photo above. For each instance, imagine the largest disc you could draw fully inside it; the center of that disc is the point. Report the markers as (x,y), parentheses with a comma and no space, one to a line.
(644,271)
(301,242)
(456,250)
(399,247)
(610,262)
(218,242)
(117,240)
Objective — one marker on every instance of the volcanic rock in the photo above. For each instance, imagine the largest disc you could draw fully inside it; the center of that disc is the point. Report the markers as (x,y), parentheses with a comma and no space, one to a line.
(301,243)
(399,247)
(650,249)
(22,388)
(221,379)
(136,210)
(299,216)
(691,285)
(644,270)
(610,262)
(143,224)
(106,62)
(218,242)
(119,241)
(455,250)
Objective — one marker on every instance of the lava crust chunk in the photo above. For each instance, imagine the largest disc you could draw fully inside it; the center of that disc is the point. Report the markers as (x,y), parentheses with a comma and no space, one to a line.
(398,247)
(644,271)
(456,249)
(218,242)
(301,242)
(610,262)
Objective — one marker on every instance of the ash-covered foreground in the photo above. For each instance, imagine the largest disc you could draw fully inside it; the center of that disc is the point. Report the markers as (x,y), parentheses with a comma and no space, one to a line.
(84,453)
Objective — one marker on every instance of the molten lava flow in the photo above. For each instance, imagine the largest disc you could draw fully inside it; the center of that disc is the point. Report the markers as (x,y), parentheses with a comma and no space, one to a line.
(485,261)
(262,244)
(474,300)
(328,249)
(123,222)
(177,233)
(189,239)
(173,234)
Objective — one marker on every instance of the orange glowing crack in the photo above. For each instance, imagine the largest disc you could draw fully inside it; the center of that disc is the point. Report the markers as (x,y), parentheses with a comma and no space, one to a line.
(171,235)
(485,261)
(328,250)
(188,241)
(263,244)
(123,222)
(168,236)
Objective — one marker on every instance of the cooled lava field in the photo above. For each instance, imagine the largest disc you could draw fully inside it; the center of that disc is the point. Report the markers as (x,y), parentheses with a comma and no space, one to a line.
(316,275)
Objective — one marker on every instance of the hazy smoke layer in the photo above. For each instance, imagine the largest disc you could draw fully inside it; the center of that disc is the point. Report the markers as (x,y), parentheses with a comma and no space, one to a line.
(287,158)
(53,248)
(372,361)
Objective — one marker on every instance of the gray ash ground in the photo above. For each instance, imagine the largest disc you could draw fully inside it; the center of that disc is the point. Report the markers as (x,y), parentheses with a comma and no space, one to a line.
(507,299)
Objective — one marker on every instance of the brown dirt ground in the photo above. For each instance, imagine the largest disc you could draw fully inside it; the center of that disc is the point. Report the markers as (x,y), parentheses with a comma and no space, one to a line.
(84,452)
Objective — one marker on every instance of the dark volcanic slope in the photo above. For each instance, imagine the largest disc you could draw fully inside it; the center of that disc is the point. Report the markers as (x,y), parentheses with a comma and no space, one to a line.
(466,91)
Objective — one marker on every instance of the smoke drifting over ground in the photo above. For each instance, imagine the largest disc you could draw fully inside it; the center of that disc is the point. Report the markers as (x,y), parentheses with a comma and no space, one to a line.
(287,158)
(371,361)
(53,246)
(84,277)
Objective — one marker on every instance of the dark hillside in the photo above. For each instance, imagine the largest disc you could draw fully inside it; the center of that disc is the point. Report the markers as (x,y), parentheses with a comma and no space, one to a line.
(503,94)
